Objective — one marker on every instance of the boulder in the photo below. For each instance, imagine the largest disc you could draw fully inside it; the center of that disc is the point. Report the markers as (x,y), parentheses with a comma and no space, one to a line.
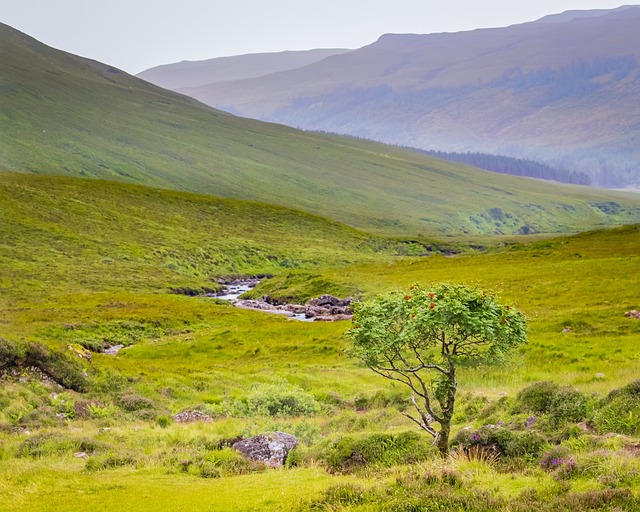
(271,448)
(189,416)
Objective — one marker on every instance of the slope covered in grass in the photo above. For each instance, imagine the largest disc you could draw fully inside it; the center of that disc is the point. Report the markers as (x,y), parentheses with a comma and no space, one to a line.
(65,115)
(86,235)
(88,263)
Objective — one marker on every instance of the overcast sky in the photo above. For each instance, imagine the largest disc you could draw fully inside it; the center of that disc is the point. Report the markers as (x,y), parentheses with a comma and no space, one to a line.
(137,34)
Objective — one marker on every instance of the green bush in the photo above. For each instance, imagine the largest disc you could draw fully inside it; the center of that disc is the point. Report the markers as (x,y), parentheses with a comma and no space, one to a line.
(11,353)
(58,365)
(561,403)
(350,453)
(537,397)
(569,404)
(280,399)
(132,402)
(527,444)
(620,411)
(164,421)
(343,495)
(110,460)
(44,444)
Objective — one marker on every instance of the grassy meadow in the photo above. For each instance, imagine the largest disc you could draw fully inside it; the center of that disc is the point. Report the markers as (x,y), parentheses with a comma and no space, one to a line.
(88,264)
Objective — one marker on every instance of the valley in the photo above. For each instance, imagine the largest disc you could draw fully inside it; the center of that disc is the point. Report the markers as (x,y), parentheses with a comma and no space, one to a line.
(132,218)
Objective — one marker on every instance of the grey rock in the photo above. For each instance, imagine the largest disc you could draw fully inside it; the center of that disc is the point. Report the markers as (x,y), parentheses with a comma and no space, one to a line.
(531,420)
(271,448)
(190,416)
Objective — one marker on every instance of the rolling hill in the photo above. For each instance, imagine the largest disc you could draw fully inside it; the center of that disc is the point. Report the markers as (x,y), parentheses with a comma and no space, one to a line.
(65,115)
(197,73)
(564,90)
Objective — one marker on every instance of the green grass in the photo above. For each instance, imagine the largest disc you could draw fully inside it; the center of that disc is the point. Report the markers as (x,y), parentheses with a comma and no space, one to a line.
(86,261)
(65,115)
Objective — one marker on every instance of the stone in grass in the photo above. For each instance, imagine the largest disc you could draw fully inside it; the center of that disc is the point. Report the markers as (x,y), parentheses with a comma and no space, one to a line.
(271,448)
(189,416)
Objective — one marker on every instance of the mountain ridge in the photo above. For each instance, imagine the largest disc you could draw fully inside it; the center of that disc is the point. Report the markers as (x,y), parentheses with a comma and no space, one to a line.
(566,93)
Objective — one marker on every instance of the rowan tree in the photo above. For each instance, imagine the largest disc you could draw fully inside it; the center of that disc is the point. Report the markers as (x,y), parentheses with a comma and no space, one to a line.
(421,337)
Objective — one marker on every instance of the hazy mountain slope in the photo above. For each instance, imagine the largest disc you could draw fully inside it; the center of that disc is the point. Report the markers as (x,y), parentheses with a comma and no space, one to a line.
(197,73)
(565,90)
(61,114)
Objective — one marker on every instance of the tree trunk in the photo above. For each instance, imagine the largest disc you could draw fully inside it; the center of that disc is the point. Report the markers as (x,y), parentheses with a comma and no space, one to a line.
(443,437)
(447,412)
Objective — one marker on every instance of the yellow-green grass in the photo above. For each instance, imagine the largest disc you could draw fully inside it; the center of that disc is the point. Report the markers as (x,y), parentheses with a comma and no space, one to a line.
(63,280)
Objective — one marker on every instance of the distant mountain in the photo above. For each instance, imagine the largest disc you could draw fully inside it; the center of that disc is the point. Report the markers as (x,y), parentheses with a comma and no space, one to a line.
(564,90)
(65,115)
(188,74)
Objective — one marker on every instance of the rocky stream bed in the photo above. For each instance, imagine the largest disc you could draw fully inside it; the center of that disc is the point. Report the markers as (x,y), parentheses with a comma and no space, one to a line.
(325,308)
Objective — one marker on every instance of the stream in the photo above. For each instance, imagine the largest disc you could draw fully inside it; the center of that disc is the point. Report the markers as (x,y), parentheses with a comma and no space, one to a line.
(233,292)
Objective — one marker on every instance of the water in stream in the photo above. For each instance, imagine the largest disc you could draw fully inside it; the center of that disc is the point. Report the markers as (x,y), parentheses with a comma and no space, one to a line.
(233,292)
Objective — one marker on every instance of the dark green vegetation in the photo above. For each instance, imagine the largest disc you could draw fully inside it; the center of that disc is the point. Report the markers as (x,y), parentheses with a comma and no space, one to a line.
(514,166)
(562,90)
(64,115)
(90,264)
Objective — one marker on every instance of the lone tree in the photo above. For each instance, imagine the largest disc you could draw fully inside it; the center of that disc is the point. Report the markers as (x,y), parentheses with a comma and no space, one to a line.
(421,337)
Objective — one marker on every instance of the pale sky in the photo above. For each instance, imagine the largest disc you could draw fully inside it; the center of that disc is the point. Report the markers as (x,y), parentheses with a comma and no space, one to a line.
(137,34)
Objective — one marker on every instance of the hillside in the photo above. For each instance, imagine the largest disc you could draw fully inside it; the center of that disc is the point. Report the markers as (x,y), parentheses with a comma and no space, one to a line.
(564,90)
(203,72)
(59,233)
(84,263)
(65,115)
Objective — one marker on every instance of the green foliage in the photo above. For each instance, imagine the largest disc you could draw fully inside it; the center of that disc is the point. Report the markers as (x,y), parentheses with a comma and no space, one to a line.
(561,403)
(421,337)
(475,327)
(11,353)
(280,399)
(101,411)
(620,411)
(538,397)
(515,444)
(352,453)
(111,460)
(57,365)
(132,402)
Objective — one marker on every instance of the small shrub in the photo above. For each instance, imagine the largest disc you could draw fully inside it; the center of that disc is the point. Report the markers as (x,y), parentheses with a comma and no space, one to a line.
(612,469)
(208,470)
(58,365)
(548,460)
(537,397)
(526,444)
(44,444)
(230,462)
(132,402)
(620,411)
(110,460)
(11,353)
(350,453)
(164,421)
(569,404)
(101,412)
(344,495)
(280,399)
